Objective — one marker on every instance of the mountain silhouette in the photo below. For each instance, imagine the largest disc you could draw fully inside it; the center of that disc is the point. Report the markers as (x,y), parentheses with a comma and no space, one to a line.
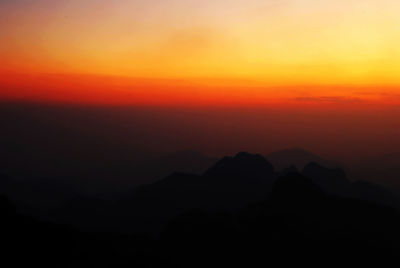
(184,161)
(297,224)
(228,185)
(39,193)
(296,157)
(331,180)
(239,212)
(334,181)
(242,166)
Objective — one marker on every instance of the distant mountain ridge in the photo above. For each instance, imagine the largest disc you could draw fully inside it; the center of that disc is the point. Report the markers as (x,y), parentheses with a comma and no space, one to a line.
(296,157)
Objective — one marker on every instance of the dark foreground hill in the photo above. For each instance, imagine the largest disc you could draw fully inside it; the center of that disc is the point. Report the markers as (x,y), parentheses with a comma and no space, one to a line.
(240,212)
(296,224)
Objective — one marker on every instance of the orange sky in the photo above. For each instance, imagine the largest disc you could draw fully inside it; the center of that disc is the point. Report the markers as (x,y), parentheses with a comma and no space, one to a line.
(229,52)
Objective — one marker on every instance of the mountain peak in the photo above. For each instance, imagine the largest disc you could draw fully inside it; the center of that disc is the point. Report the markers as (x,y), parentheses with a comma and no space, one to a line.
(242,165)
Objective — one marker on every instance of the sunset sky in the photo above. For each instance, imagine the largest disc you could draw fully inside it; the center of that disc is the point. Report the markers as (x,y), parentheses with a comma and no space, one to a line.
(169,52)
(216,76)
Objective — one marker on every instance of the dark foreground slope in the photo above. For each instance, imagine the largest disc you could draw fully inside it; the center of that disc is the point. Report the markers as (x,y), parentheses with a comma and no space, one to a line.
(297,224)
(238,213)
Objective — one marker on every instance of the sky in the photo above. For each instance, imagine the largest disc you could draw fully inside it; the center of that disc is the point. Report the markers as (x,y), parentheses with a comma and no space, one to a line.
(251,52)
(215,76)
